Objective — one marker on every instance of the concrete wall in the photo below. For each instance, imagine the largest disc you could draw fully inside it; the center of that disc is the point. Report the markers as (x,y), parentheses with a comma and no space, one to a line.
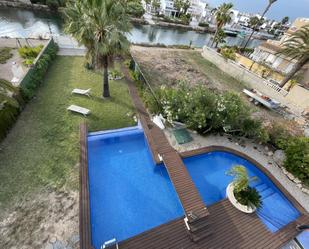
(299,96)
(254,81)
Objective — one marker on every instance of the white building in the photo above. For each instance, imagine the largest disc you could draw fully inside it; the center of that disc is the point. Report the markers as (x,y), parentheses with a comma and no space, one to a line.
(196,8)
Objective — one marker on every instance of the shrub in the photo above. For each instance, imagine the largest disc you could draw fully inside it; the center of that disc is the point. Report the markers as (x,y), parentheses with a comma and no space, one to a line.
(5,54)
(8,115)
(204,24)
(228,53)
(135,8)
(244,194)
(29,85)
(53,4)
(297,158)
(29,52)
(204,110)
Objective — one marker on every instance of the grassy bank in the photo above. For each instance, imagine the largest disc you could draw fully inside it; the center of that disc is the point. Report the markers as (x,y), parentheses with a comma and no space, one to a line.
(42,148)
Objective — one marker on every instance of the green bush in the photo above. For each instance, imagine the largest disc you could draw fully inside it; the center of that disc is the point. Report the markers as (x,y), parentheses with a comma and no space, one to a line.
(29,52)
(8,115)
(204,110)
(135,8)
(245,194)
(5,54)
(228,53)
(203,24)
(38,72)
(297,158)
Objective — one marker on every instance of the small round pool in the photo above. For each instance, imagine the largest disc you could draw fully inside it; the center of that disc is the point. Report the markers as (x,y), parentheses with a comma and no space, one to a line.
(208,172)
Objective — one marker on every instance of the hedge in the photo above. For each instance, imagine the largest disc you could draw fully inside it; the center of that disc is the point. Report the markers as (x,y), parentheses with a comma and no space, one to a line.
(36,74)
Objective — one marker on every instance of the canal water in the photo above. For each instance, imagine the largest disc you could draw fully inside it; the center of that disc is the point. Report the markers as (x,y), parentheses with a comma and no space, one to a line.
(17,23)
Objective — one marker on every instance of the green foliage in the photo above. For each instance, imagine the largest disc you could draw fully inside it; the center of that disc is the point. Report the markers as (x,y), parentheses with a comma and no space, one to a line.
(228,53)
(248,197)
(115,74)
(297,158)
(219,37)
(38,72)
(242,191)
(203,24)
(135,8)
(29,54)
(8,115)
(204,110)
(52,4)
(5,54)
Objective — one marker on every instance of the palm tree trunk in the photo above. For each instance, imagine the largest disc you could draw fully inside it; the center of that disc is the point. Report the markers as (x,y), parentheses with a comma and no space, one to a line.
(295,69)
(253,30)
(213,39)
(106,93)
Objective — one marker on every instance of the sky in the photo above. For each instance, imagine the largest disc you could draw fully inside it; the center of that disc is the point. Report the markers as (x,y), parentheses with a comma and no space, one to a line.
(280,9)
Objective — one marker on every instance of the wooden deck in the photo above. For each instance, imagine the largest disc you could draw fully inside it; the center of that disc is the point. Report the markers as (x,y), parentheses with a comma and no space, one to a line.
(231,229)
(218,226)
(183,184)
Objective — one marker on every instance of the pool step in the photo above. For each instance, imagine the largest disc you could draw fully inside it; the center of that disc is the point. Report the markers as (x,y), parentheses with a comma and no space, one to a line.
(261,187)
(266,193)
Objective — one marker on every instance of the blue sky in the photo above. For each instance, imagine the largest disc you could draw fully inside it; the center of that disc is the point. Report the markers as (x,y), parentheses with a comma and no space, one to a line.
(281,8)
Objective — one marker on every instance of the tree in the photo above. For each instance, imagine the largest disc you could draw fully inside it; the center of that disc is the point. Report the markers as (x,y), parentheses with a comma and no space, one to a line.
(156,4)
(285,20)
(270,3)
(100,25)
(182,6)
(219,38)
(223,16)
(135,8)
(255,22)
(296,47)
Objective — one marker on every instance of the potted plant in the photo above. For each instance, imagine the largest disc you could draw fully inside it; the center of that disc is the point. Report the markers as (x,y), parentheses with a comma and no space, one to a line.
(239,193)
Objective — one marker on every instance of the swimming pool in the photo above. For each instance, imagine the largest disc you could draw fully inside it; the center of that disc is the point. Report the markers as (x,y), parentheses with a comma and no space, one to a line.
(129,194)
(208,172)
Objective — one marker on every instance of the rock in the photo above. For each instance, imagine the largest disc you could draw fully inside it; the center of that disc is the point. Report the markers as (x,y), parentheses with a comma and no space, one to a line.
(284,171)
(237,143)
(297,181)
(74,239)
(266,148)
(290,176)
(299,185)
(49,246)
(305,190)
(53,240)
(58,245)
(279,157)
(270,153)
(254,147)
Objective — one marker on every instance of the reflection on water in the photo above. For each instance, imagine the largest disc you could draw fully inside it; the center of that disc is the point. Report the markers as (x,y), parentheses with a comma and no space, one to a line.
(25,23)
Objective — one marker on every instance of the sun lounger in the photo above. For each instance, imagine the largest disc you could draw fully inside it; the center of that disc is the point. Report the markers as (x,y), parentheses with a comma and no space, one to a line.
(78,109)
(82,92)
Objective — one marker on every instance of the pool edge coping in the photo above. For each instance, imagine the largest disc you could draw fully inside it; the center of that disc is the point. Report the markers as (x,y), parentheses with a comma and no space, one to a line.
(212,148)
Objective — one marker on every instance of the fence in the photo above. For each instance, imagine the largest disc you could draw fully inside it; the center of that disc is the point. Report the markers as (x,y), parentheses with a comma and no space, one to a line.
(141,77)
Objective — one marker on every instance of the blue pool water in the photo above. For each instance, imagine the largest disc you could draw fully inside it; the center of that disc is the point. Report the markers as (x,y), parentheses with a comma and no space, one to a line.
(208,172)
(129,194)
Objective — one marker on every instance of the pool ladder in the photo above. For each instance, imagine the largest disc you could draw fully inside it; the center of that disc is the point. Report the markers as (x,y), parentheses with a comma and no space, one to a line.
(112,244)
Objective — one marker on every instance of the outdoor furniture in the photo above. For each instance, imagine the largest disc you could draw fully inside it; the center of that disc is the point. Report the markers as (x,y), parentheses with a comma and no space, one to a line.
(82,92)
(78,109)
(158,120)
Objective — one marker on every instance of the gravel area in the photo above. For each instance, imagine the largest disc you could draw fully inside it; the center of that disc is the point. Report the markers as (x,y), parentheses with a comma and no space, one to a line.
(260,153)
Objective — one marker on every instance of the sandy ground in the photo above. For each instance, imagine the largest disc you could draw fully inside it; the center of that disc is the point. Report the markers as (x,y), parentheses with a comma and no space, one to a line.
(260,153)
(165,66)
(49,220)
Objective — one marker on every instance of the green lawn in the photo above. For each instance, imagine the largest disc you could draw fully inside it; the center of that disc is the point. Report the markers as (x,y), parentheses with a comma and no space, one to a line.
(42,149)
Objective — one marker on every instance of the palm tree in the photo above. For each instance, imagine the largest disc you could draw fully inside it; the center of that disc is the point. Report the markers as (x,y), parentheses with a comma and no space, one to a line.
(223,16)
(220,37)
(101,25)
(296,47)
(270,3)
